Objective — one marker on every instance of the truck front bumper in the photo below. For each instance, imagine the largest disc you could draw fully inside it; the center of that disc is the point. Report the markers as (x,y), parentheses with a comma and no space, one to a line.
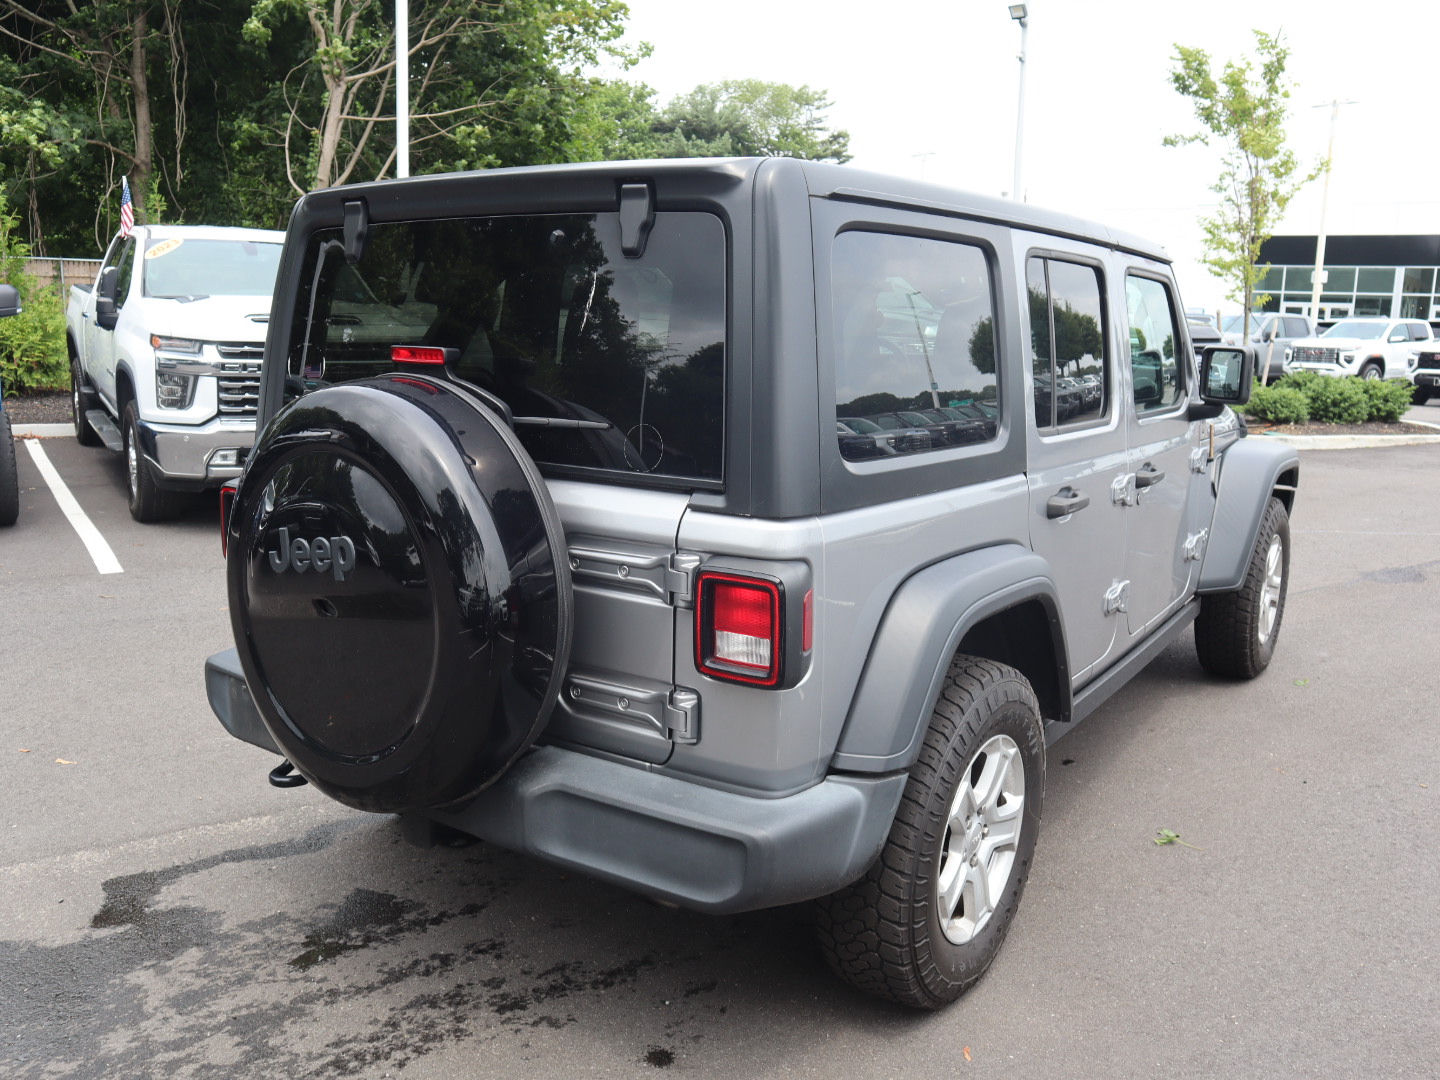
(195,456)
(661,835)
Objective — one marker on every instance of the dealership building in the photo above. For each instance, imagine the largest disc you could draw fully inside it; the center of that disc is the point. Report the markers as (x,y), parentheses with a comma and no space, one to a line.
(1395,276)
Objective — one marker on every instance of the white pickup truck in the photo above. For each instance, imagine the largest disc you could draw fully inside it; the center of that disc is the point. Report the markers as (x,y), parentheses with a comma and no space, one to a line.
(165,350)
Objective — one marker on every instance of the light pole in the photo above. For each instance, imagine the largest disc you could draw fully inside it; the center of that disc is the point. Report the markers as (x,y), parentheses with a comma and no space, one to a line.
(1020,15)
(402,88)
(1319,278)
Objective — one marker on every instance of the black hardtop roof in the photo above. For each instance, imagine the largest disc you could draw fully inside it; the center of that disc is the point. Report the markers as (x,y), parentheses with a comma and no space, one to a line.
(822,180)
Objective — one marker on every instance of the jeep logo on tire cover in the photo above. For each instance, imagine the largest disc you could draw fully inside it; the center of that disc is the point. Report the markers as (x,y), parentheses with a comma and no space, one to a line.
(335,554)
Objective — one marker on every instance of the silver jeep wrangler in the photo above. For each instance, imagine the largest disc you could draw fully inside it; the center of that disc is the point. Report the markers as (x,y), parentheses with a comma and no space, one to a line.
(740,532)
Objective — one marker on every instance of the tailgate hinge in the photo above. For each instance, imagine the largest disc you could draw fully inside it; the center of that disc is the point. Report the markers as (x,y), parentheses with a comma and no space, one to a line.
(682,716)
(680,578)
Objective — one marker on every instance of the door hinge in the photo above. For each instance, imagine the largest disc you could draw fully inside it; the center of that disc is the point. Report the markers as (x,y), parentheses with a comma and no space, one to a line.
(1199,459)
(1123,491)
(1117,597)
(1195,545)
(682,716)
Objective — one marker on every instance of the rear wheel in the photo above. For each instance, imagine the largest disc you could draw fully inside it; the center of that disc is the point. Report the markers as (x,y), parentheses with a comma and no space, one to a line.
(9,479)
(1235,632)
(929,916)
(148,501)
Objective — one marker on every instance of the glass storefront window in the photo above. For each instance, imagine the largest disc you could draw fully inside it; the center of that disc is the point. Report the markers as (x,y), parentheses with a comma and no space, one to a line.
(1273,281)
(1340,279)
(1298,278)
(1375,279)
(1419,280)
(1415,307)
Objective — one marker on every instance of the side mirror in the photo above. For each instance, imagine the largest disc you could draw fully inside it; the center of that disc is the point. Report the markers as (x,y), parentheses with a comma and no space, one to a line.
(9,301)
(106,314)
(1226,374)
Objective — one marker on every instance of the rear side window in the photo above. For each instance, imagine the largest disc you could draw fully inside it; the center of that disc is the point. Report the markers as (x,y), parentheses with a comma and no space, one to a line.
(1067,338)
(1156,373)
(915,345)
(1419,331)
(546,312)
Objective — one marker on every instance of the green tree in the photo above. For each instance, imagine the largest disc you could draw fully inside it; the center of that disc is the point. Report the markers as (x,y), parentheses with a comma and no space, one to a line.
(737,117)
(1245,111)
(481,70)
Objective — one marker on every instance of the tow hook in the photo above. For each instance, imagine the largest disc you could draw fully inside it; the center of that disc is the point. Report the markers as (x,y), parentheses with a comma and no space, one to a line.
(284,775)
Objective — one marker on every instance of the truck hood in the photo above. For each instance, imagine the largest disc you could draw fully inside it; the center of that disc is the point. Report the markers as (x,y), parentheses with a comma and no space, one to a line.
(216,318)
(1344,344)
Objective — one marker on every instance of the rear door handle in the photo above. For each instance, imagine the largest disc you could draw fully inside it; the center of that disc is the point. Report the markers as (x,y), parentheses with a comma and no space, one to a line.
(1149,476)
(1065,501)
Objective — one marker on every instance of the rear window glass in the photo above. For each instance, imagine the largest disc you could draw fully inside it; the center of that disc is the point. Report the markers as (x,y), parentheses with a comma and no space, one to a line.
(546,313)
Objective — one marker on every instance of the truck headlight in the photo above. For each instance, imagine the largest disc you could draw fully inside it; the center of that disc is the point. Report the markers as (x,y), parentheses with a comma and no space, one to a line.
(1347,358)
(175,345)
(174,390)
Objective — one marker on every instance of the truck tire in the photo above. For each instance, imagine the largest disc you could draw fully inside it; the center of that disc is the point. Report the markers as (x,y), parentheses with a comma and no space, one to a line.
(85,435)
(1371,370)
(399,592)
(930,914)
(9,478)
(1235,632)
(148,501)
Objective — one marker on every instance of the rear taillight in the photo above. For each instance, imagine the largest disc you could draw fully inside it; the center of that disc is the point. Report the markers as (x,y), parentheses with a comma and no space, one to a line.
(227,503)
(739,628)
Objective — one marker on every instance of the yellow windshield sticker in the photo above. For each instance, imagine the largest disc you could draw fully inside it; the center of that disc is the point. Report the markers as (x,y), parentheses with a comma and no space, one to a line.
(163,248)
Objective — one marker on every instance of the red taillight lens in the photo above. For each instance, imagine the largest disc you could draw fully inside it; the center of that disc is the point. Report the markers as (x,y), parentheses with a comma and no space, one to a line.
(807,629)
(227,503)
(416,354)
(737,629)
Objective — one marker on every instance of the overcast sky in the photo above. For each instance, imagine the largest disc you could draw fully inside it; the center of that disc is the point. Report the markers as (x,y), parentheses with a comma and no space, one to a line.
(932,84)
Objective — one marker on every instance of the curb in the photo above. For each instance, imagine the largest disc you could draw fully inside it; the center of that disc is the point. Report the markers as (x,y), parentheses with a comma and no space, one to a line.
(42,431)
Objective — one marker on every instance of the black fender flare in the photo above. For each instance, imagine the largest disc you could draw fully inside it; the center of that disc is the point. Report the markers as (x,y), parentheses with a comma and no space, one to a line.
(1250,471)
(919,634)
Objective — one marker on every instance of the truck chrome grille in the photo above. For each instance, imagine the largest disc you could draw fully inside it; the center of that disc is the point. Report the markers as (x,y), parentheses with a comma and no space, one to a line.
(239,379)
(1310,354)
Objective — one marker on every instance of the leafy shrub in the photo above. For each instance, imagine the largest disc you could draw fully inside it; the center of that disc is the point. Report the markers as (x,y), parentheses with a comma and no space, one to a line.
(1388,398)
(32,344)
(1301,380)
(1278,404)
(1338,401)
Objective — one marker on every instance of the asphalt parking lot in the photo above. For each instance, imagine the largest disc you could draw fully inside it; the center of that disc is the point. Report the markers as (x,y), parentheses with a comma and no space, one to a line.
(165,912)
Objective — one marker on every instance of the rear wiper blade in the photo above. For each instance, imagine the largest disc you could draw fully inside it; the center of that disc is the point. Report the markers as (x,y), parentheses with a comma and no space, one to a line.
(561,422)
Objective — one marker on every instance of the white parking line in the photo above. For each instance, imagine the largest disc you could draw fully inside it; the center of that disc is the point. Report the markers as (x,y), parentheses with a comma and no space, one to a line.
(105,560)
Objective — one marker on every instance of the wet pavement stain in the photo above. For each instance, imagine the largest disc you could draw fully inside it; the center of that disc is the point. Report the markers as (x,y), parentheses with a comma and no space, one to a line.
(658,1057)
(152,990)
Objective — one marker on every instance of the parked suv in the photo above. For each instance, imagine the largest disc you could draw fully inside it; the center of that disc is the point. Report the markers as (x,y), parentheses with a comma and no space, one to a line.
(573,558)
(1370,348)
(1272,335)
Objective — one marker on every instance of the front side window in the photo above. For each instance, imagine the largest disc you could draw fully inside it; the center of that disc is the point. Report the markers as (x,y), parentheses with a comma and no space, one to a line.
(1067,339)
(1156,375)
(548,314)
(914,326)
(126,269)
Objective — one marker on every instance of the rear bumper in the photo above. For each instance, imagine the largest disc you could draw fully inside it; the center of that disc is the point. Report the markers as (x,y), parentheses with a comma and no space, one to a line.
(664,836)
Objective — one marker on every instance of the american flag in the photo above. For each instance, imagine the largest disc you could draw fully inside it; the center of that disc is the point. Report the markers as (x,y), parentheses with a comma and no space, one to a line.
(127,208)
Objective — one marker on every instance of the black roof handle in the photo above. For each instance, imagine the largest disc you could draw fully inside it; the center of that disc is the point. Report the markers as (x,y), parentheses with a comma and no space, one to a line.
(357,228)
(637,215)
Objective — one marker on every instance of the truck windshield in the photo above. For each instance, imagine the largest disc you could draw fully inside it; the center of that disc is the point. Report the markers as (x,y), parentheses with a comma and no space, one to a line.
(194,269)
(546,313)
(1357,329)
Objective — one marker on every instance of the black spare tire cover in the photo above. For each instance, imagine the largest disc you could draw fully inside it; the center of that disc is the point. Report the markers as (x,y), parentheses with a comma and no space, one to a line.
(399,592)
